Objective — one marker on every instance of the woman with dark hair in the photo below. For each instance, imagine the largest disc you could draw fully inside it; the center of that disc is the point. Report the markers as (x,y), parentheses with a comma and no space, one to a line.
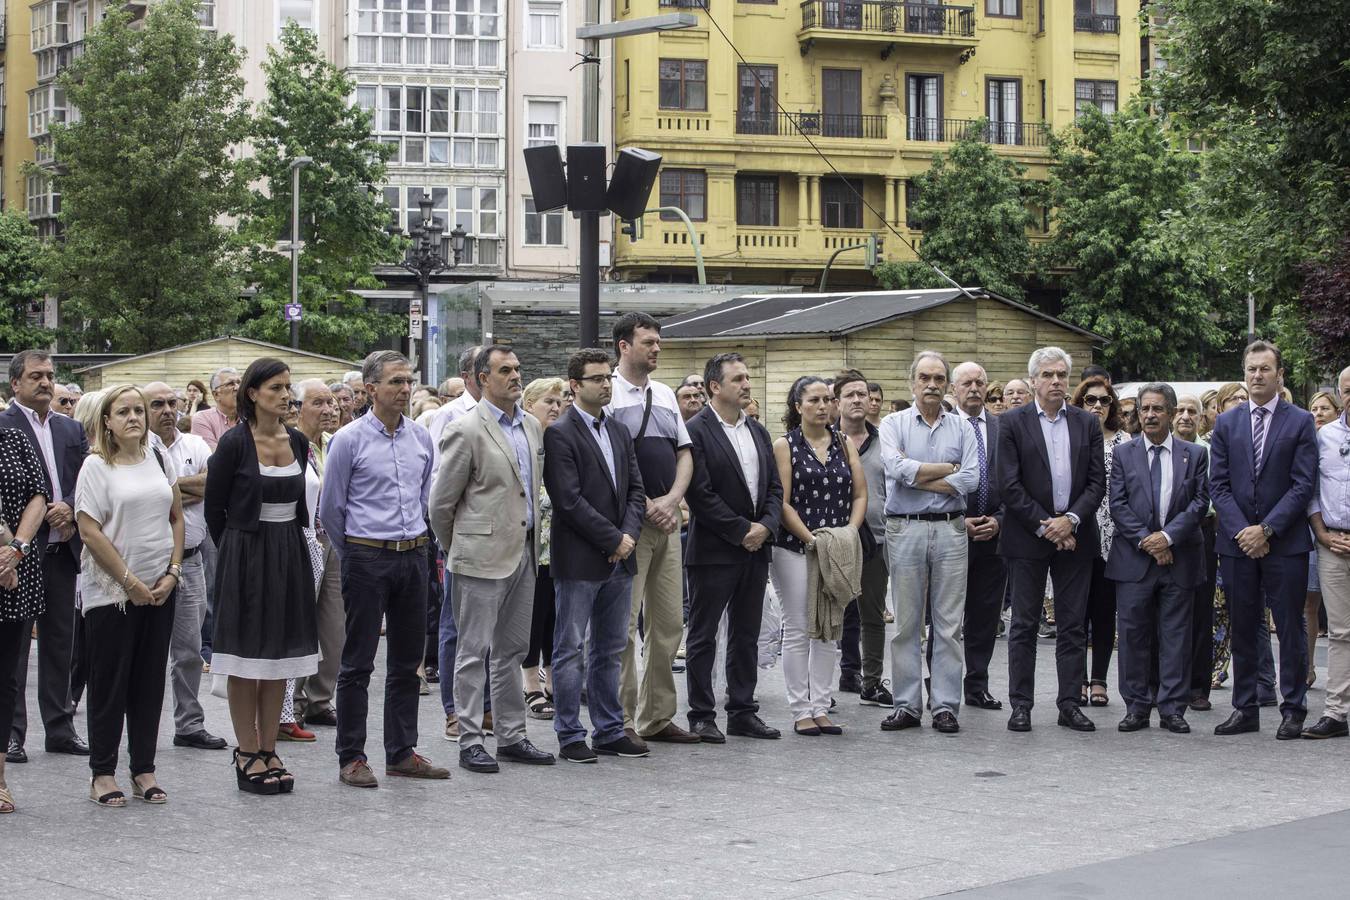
(265,616)
(196,394)
(823,487)
(1098,397)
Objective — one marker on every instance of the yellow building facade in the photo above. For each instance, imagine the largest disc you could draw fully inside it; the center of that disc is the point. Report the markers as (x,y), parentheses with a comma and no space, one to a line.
(878,86)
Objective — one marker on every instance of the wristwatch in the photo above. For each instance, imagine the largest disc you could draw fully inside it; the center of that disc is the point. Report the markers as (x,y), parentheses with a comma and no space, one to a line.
(1267,531)
(22,548)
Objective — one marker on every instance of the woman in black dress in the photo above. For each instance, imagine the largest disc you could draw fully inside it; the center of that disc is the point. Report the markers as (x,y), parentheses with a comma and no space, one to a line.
(265,620)
(23,504)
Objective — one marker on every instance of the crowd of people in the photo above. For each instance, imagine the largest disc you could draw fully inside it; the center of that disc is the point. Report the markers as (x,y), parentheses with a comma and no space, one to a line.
(533,548)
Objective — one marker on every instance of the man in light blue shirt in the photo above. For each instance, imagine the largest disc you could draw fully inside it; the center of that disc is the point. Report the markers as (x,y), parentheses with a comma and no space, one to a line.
(931,462)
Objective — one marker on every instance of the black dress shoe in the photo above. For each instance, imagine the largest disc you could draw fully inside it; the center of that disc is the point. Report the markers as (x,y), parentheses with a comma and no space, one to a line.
(623,746)
(983,700)
(900,720)
(752,726)
(71,745)
(433,675)
(1020,720)
(322,717)
(945,722)
(1200,703)
(477,759)
(1176,724)
(707,731)
(1072,717)
(1326,727)
(1133,722)
(1291,727)
(849,683)
(522,751)
(1238,723)
(199,740)
(16,753)
(578,752)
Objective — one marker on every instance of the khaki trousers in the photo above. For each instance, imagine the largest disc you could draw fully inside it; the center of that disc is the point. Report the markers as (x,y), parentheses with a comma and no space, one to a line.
(649,700)
(1334,573)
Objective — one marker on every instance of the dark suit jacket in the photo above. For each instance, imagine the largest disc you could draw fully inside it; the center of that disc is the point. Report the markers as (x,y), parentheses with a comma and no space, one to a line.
(1025,486)
(1279,497)
(233,495)
(719,499)
(590,513)
(1132,511)
(69,446)
(991,430)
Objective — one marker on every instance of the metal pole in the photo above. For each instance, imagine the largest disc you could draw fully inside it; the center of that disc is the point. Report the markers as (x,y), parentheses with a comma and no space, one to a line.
(295,250)
(829,262)
(693,238)
(1251,317)
(422,286)
(588,328)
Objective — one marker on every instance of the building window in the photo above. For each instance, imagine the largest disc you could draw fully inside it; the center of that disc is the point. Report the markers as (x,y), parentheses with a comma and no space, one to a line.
(46,106)
(1101,94)
(687,189)
(1004,109)
(684,84)
(461,33)
(50,23)
(757,200)
(1003,9)
(911,197)
(303,12)
(42,199)
(543,26)
(543,122)
(542,229)
(1096,16)
(756,99)
(206,14)
(923,98)
(433,126)
(841,203)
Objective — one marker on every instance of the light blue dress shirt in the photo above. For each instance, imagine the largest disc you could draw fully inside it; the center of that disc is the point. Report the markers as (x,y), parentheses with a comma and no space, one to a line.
(907,442)
(1056,434)
(1332,499)
(601,437)
(375,484)
(513,426)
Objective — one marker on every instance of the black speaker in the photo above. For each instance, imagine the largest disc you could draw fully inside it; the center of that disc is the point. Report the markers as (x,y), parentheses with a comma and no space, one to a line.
(586,178)
(548,184)
(634,174)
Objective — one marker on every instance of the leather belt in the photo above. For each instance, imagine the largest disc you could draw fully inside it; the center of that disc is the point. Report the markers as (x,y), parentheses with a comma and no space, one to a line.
(396,546)
(190,552)
(928,517)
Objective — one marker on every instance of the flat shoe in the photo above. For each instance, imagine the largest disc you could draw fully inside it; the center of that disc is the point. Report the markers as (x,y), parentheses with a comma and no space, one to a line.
(829,728)
(112,799)
(6,801)
(812,730)
(153,794)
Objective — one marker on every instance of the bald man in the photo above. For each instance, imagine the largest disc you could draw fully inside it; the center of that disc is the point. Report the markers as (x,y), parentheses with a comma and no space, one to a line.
(188,453)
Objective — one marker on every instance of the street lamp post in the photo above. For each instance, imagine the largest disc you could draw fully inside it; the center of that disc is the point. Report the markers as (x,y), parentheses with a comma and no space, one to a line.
(296,165)
(424,259)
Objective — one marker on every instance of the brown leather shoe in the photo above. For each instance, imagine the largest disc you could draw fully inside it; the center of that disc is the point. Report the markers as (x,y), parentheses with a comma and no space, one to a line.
(673,734)
(487,722)
(633,736)
(357,774)
(417,766)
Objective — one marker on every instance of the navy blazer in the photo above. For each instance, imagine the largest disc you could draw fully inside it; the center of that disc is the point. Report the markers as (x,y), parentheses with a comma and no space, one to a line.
(721,511)
(591,513)
(1132,510)
(992,425)
(1280,495)
(1025,486)
(233,495)
(69,445)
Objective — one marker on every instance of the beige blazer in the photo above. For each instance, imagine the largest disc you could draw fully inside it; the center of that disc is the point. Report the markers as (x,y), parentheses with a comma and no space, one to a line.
(478,498)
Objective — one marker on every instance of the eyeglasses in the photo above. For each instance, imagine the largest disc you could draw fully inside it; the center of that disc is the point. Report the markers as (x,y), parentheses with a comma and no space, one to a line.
(66,401)
(1095,400)
(594,379)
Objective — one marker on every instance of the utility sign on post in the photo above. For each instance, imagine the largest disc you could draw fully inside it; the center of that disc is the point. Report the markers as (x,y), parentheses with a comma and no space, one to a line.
(292,312)
(415,319)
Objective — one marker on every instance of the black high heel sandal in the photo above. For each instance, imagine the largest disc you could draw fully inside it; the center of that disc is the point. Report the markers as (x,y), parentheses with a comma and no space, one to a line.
(285,780)
(264,782)
(1096,699)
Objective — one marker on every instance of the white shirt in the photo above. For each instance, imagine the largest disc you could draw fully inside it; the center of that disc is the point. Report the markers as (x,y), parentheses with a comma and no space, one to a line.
(1165,489)
(455,409)
(1270,414)
(189,454)
(743,442)
(42,430)
(1332,499)
(628,394)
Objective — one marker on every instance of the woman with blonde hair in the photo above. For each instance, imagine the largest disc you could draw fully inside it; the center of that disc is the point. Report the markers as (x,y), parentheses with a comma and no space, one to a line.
(130,517)
(543,399)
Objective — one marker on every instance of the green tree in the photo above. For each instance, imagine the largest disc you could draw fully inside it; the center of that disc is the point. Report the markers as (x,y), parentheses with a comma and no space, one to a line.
(309,112)
(1113,182)
(22,258)
(972,205)
(146,179)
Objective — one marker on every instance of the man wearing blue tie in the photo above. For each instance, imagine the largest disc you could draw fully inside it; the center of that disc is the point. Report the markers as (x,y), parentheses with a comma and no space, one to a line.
(1159,495)
(1263,473)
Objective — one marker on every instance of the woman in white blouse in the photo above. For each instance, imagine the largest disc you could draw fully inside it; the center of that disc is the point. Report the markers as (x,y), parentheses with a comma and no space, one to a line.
(130,517)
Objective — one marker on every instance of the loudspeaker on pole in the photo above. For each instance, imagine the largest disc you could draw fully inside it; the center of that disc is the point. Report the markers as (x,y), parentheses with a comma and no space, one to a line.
(635,173)
(586,177)
(548,183)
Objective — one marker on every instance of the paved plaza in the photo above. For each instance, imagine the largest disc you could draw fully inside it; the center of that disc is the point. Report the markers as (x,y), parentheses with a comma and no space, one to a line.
(914,814)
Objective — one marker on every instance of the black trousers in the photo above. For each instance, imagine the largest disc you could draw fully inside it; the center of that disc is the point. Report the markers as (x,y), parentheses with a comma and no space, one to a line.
(1251,584)
(1155,625)
(375,584)
(739,591)
(1202,617)
(14,634)
(56,652)
(1099,619)
(542,620)
(986,581)
(128,655)
(431,650)
(865,625)
(1071,574)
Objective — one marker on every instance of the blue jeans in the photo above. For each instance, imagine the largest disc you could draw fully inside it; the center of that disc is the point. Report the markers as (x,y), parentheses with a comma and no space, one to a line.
(447,644)
(604,606)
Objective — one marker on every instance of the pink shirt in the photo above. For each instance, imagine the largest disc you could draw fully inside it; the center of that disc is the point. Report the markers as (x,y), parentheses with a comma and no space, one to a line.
(210,424)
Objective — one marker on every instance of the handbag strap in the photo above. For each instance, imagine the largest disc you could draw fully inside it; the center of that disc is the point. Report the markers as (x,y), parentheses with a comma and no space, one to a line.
(646,417)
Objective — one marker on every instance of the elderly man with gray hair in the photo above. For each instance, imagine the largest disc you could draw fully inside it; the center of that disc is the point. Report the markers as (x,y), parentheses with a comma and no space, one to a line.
(210,424)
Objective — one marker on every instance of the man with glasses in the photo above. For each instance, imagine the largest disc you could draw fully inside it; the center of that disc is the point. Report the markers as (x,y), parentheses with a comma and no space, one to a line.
(210,424)
(63,400)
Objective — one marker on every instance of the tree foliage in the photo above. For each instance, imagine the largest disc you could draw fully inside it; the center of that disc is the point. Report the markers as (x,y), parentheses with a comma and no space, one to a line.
(1114,181)
(147,178)
(1326,306)
(21,265)
(972,206)
(309,112)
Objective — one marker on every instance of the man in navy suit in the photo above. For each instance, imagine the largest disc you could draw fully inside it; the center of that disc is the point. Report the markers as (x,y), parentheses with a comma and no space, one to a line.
(591,473)
(736,500)
(1052,477)
(60,443)
(1159,496)
(1263,475)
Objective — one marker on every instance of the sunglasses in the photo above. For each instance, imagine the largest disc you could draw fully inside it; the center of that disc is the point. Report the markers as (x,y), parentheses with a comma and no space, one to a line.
(1095,400)
(66,401)
(993,398)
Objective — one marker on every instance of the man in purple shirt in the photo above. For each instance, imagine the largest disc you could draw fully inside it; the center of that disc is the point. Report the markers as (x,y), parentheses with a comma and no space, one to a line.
(374,508)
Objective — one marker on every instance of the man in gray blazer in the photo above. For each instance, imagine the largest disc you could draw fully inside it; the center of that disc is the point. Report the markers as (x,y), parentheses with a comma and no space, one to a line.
(485,512)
